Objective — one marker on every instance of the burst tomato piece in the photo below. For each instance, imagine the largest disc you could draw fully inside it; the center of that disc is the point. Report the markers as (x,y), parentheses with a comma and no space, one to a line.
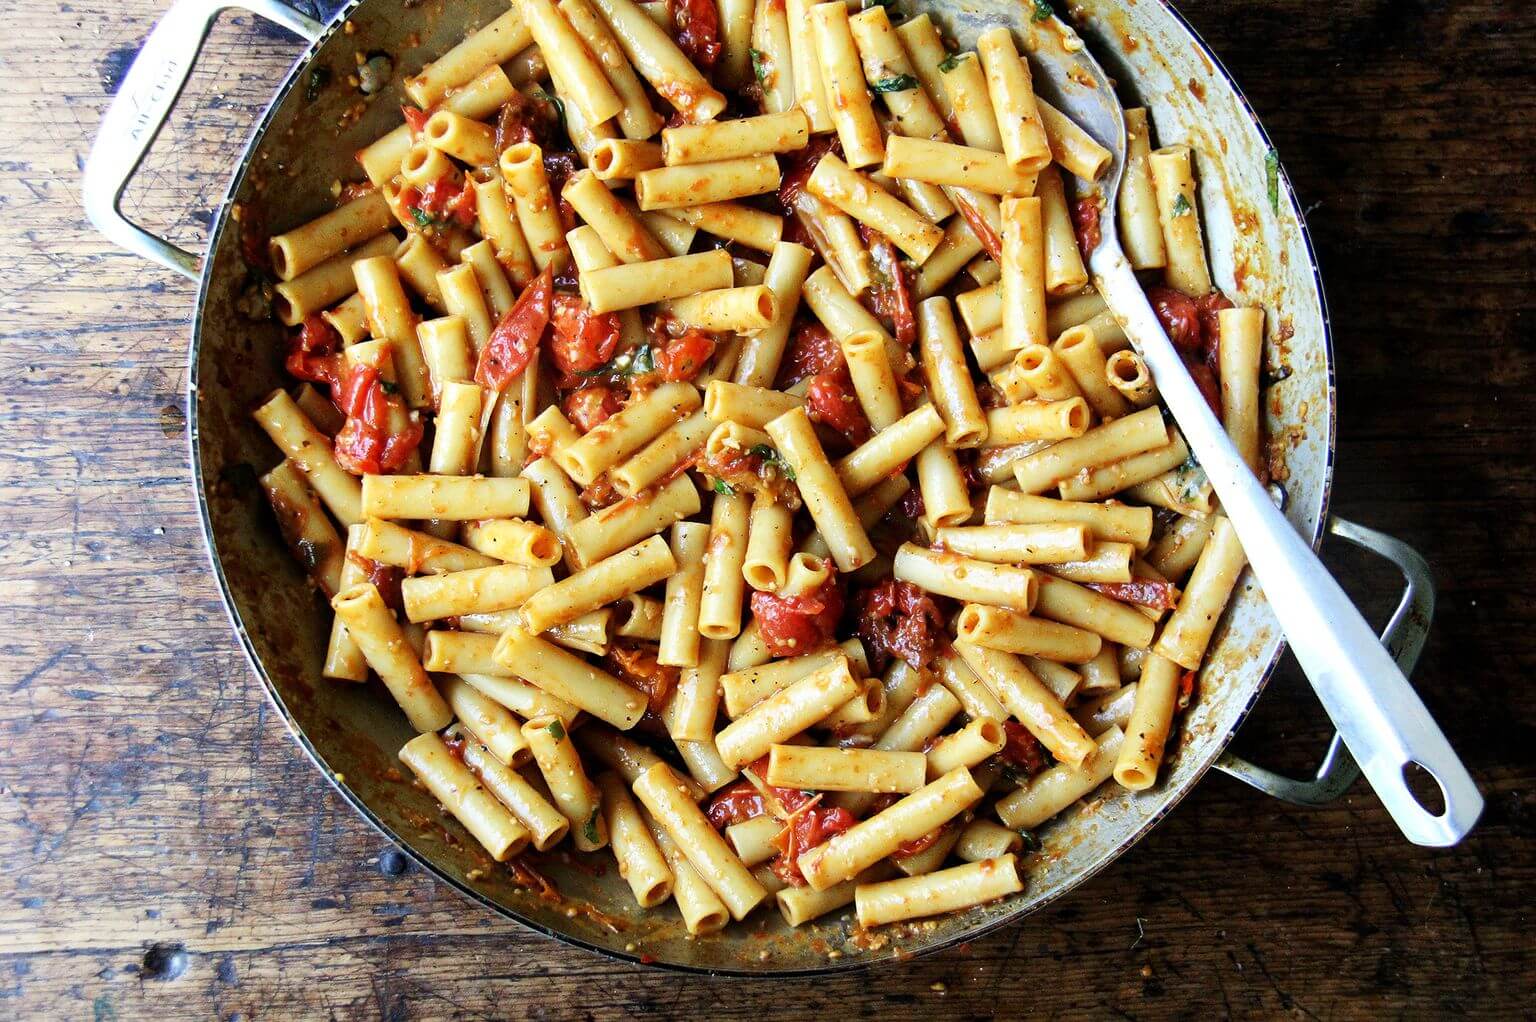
(891,298)
(370,443)
(811,350)
(698,31)
(1085,224)
(1179,316)
(638,666)
(809,827)
(589,406)
(1209,309)
(831,400)
(735,803)
(312,353)
(582,339)
(798,624)
(798,167)
(415,118)
(516,338)
(683,358)
(1023,750)
(1144,592)
(441,202)
(514,122)
(897,619)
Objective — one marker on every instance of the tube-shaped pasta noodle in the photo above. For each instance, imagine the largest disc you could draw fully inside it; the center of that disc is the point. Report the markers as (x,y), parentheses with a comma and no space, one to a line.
(1065,273)
(865,201)
(453,498)
(476,591)
(1072,147)
(734,222)
(1011,632)
(743,688)
(515,541)
(1125,473)
(1044,372)
(732,308)
(636,119)
(1015,543)
(1174,182)
(496,43)
(1037,420)
(1048,793)
(702,910)
(1242,344)
(349,320)
(729,140)
(770,540)
(518,696)
(981,737)
(312,243)
(697,184)
(1188,631)
(487,721)
(464,299)
(1146,733)
(373,628)
(946,890)
(981,308)
(959,247)
(882,454)
(625,287)
(1072,604)
(690,715)
(568,677)
(343,660)
(816,768)
(660,62)
(974,696)
(1110,709)
(849,104)
(1111,442)
(965,578)
(752,839)
(1013,100)
(498,225)
(752,406)
(1028,700)
(620,159)
(522,168)
(390,319)
(310,452)
(1179,547)
(465,140)
(599,584)
(1079,351)
(1023,280)
(545,824)
(679,639)
(874,381)
(491,277)
(631,520)
(452,784)
(787,712)
(945,163)
(641,862)
(846,854)
(621,231)
(305,528)
(326,284)
(614,439)
(1109,562)
(675,811)
(1128,375)
(724,585)
(415,552)
(949,377)
(464,653)
(983,839)
(1141,232)
(583,78)
(941,480)
(822,490)
(637,617)
(1112,522)
(576,796)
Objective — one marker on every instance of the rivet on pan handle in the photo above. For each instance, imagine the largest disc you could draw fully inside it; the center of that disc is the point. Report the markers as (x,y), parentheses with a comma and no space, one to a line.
(1404,637)
(140,108)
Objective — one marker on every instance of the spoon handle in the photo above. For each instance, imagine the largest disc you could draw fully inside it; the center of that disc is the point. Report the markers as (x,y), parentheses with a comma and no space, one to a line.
(1375,709)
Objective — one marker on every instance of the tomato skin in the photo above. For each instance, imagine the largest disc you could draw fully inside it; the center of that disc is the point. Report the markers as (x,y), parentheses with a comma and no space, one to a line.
(582,339)
(698,31)
(1085,224)
(367,444)
(809,827)
(897,619)
(415,119)
(798,167)
(990,242)
(684,357)
(891,300)
(790,625)
(444,201)
(831,400)
(1022,749)
(590,406)
(312,353)
(1209,310)
(737,802)
(516,338)
(1179,316)
(1143,592)
(811,350)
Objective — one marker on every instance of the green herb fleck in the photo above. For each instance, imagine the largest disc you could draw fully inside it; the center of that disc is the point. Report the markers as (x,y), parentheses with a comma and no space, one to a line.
(1031,843)
(759,66)
(423,220)
(629,362)
(556,731)
(589,830)
(1181,206)
(895,83)
(1042,12)
(554,101)
(950,62)
(389,387)
(724,488)
(1272,179)
(319,78)
(772,457)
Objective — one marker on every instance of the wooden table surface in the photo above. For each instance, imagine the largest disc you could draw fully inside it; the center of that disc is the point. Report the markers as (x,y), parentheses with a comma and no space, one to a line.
(166,852)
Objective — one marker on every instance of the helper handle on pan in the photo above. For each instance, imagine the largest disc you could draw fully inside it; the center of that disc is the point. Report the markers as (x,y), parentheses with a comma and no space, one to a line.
(1404,638)
(139,110)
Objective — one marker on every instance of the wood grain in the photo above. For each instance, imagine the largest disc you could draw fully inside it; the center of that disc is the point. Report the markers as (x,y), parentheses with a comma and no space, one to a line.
(167,851)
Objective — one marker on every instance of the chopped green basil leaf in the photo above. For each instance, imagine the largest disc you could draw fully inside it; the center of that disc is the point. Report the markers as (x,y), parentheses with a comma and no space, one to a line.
(772,457)
(950,62)
(319,78)
(1042,11)
(421,217)
(895,83)
(759,66)
(1181,206)
(1031,843)
(556,730)
(589,831)
(724,488)
(1272,179)
(389,388)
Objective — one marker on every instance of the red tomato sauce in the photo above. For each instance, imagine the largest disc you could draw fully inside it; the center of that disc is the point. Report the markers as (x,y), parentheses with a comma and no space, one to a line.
(790,625)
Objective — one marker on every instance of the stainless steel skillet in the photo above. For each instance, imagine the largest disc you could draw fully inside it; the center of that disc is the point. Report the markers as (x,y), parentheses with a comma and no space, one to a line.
(1257,239)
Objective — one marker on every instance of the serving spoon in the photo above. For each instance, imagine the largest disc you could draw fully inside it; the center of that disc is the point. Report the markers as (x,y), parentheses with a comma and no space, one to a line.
(1376,711)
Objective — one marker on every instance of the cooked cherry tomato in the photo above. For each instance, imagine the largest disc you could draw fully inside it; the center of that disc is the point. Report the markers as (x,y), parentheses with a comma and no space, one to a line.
(1209,308)
(1022,749)
(798,167)
(379,434)
(589,406)
(638,667)
(811,350)
(808,828)
(735,803)
(790,625)
(1144,592)
(514,122)
(698,31)
(582,339)
(891,298)
(513,343)
(1085,224)
(1179,316)
(415,118)
(897,619)
(990,242)
(831,400)
(684,357)
(312,353)
(444,201)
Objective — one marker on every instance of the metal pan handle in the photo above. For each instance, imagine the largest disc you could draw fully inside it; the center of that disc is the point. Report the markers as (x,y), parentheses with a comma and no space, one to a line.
(138,112)
(1404,637)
